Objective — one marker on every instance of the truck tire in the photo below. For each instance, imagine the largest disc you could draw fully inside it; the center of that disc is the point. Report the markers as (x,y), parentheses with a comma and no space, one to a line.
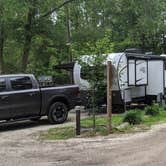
(57,113)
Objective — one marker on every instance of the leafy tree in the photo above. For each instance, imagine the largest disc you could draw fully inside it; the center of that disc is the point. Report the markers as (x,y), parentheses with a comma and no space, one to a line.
(34,35)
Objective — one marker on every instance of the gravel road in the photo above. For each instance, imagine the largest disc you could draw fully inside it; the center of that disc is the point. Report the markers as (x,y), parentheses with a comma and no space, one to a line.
(20,147)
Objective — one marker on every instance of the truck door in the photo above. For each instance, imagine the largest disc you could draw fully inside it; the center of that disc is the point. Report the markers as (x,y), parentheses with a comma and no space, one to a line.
(25,97)
(5,107)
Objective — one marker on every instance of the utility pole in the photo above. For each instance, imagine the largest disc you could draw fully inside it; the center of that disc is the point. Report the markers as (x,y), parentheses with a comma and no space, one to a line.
(109,96)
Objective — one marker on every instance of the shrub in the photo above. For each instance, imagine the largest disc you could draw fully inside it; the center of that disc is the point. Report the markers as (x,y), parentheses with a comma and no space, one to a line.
(133,117)
(163,107)
(153,110)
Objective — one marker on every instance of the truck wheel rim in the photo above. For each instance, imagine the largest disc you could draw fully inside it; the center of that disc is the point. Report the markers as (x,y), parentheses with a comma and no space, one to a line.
(59,112)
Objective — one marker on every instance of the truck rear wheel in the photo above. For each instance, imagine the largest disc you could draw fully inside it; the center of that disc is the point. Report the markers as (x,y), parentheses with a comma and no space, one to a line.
(58,113)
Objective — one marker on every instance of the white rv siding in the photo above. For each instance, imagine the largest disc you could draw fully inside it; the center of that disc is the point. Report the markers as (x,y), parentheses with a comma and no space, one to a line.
(83,84)
(138,91)
(155,77)
(131,72)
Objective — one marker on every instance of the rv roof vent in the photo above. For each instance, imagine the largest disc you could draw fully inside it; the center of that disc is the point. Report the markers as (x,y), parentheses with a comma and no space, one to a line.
(134,50)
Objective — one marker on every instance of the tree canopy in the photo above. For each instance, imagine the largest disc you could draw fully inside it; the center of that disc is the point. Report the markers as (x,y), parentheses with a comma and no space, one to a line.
(37,34)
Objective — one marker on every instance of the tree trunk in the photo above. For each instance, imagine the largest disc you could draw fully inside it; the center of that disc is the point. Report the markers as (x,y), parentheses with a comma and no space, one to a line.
(1,49)
(28,37)
(26,50)
(68,26)
(143,45)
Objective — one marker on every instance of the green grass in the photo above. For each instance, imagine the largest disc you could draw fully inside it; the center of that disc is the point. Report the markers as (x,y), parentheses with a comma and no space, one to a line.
(101,129)
(100,121)
(58,133)
(151,120)
(69,131)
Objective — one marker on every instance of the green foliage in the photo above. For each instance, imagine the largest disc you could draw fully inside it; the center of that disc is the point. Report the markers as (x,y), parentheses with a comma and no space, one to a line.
(153,110)
(133,117)
(163,107)
(94,68)
(97,27)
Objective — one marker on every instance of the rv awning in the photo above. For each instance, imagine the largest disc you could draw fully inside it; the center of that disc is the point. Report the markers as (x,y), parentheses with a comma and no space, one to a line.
(144,56)
(67,66)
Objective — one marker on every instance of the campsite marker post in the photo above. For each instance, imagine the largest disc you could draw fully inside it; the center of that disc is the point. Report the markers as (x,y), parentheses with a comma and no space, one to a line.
(109,96)
(78,126)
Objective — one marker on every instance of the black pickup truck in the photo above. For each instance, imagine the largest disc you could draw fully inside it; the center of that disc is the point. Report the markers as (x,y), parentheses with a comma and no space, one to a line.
(22,98)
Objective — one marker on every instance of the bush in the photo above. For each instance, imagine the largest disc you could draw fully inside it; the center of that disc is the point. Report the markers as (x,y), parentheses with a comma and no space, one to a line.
(163,107)
(133,117)
(153,110)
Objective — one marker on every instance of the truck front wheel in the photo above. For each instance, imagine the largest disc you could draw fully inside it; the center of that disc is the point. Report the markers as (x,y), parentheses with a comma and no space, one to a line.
(58,113)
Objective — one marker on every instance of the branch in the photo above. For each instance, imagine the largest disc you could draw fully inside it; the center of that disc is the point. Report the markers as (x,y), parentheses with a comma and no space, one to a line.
(57,8)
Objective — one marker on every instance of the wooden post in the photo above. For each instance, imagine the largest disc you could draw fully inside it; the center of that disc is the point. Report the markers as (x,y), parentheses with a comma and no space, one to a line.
(77,122)
(93,105)
(109,96)
(124,95)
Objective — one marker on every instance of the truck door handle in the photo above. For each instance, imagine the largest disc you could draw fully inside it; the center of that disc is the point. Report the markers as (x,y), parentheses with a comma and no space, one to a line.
(3,97)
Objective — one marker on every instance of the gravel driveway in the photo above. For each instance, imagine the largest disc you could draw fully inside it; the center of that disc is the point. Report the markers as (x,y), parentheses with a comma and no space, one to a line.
(19,147)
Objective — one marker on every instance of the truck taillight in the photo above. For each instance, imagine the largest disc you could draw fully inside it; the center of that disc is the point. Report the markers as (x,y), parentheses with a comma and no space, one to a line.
(78,93)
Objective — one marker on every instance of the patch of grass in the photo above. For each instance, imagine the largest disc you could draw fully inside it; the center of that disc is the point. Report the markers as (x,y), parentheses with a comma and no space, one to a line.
(69,132)
(102,121)
(126,129)
(58,133)
(151,120)
(101,129)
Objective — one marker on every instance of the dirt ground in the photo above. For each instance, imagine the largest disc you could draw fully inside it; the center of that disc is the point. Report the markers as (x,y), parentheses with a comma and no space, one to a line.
(19,146)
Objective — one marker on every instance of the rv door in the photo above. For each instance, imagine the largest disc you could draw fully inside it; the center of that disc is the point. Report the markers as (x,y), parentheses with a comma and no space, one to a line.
(137,72)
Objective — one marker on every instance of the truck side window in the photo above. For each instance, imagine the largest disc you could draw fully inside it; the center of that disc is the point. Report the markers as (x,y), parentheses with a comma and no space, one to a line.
(21,83)
(2,85)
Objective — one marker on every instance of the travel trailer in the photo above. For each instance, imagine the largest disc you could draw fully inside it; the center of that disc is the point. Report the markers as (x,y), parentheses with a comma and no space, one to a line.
(137,78)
